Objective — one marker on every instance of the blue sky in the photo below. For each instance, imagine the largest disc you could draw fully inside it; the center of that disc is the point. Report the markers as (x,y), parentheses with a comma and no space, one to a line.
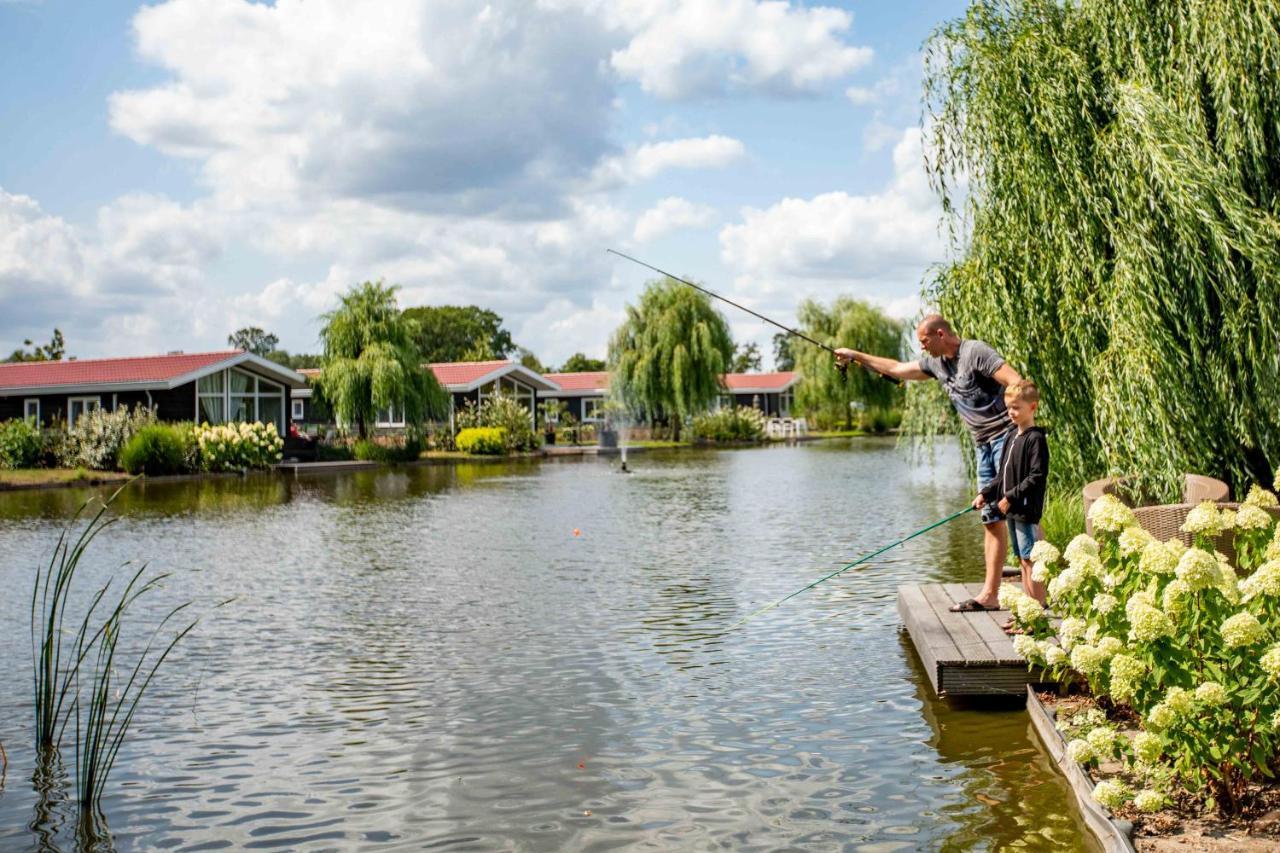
(172,172)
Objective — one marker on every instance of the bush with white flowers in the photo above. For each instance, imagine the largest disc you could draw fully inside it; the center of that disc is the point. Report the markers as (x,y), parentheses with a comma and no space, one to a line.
(236,446)
(1186,639)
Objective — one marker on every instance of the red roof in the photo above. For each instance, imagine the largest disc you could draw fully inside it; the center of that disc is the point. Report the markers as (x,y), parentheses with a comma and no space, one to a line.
(759,381)
(465,372)
(594,380)
(107,371)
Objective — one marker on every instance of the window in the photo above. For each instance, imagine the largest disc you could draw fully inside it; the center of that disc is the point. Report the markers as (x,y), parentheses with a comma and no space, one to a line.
(31,410)
(591,407)
(233,395)
(211,397)
(785,401)
(77,406)
(392,416)
(299,409)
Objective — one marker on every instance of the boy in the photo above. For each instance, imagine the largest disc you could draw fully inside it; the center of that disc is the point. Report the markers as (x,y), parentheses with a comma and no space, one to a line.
(1018,488)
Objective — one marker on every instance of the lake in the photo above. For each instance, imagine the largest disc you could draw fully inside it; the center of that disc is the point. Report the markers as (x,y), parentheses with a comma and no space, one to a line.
(428,656)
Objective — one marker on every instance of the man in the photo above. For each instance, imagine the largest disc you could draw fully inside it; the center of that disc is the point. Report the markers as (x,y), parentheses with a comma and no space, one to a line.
(974,376)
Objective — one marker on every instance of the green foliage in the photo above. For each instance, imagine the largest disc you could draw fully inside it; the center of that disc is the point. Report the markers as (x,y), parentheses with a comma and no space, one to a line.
(52,351)
(529,360)
(666,359)
(1189,640)
(1112,170)
(878,420)
(95,440)
(335,451)
(746,358)
(847,323)
(504,411)
(254,340)
(372,361)
(783,358)
(20,443)
(742,423)
(237,446)
(459,333)
(490,441)
(296,361)
(387,449)
(1063,516)
(160,449)
(579,363)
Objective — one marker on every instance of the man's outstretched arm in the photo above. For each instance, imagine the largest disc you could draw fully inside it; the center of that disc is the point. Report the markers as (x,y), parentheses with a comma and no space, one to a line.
(887,366)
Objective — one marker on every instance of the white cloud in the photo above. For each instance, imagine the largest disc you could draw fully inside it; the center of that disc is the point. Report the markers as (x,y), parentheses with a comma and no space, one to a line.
(652,159)
(875,246)
(669,214)
(688,48)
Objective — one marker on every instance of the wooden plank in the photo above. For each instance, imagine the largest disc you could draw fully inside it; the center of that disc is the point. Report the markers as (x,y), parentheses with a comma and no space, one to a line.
(928,637)
(962,634)
(986,624)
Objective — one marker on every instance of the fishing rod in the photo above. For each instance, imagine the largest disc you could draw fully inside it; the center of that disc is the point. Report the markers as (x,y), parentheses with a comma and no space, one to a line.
(856,562)
(843,367)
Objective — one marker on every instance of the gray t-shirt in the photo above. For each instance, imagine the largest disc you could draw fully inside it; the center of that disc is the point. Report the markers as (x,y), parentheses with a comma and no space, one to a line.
(969,379)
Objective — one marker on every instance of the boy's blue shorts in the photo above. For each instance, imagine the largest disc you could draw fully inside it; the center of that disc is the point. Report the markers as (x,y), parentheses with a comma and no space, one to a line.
(990,455)
(1022,536)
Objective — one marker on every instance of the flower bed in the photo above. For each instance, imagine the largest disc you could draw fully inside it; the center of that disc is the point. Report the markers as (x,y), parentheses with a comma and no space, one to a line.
(1179,650)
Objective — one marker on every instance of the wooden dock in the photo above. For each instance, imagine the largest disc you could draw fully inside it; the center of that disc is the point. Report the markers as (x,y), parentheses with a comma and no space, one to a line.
(965,654)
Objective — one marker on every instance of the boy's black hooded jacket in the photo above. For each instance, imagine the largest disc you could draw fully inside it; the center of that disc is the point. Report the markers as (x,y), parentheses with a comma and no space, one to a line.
(1024,473)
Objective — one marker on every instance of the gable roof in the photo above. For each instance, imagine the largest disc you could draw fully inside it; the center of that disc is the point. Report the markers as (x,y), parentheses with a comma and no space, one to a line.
(580,384)
(759,383)
(149,372)
(461,376)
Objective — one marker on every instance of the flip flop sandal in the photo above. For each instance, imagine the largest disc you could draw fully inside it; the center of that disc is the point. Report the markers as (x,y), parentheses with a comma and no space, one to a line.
(971,605)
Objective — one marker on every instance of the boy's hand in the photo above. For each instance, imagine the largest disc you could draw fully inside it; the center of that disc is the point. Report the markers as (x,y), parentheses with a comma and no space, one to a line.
(979,502)
(1003,506)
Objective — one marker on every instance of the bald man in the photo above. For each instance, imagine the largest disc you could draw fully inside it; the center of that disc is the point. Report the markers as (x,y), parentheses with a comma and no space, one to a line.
(974,376)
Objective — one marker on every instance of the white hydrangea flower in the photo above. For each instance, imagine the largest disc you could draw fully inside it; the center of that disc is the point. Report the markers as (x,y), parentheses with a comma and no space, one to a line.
(1067,582)
(1229,586)
(1081,545)
(1111,793)
(1264,581)
(1142,596)
(1087,659)
(1161,717)
(1243,629)
(1009,596)
(1147,624)
(1175,598)
(1148,747)
(1260,497)
(1133,539)
(1199,569)
(1028,610)
(1204,519)
(1180,701)
(1271,662)
(1054,655)
(1212,694)
(1103,741)
(1127,666)
(1149,801)
(1110,647)
(1110,580)
(1252,517)
(1121,689)
(1227,519)
(1044,551)
(1092,633)
(1081,751)
(1087,565)
(1108,514)
(1026,647)
(1040,571)
(1104,603)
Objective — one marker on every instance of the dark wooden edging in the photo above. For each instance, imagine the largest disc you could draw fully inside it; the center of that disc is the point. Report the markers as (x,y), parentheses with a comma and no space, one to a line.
(1111,833)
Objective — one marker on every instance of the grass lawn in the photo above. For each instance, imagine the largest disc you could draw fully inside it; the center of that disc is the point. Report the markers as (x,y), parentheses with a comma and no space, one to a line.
(655,443)
(20,478)
(837,433)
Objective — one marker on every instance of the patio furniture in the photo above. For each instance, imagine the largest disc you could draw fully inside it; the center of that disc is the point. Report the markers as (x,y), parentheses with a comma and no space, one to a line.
(1195,488)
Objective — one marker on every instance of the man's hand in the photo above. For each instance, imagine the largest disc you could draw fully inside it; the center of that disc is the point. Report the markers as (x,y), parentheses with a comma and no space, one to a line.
(844,355)
(1003,506)
(979,502)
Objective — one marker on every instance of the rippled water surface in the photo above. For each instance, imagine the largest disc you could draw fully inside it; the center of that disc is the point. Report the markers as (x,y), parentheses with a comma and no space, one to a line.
(429,657)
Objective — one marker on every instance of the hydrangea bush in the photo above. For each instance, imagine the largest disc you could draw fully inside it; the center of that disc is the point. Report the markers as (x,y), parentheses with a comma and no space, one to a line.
(1187,639)
(236,446)
(739,423)
(95,440)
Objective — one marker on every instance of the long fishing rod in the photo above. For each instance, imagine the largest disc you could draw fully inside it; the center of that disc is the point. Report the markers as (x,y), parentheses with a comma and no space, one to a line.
(842,367)
(856,562)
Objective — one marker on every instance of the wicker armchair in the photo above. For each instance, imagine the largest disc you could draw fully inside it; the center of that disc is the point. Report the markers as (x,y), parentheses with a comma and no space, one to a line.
(1165,522)
(1195,488)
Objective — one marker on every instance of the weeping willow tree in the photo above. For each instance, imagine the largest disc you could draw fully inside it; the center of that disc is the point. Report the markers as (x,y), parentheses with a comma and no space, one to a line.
(847,322)
(372,361)
(666,358)
(1111,170)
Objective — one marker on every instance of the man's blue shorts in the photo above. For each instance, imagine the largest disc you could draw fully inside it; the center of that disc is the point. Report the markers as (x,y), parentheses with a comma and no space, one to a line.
(990,455)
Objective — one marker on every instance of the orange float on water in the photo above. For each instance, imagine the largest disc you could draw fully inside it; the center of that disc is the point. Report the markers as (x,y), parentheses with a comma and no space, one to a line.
(577,532)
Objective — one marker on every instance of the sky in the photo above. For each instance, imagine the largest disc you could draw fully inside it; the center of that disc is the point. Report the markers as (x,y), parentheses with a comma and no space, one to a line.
(172,172)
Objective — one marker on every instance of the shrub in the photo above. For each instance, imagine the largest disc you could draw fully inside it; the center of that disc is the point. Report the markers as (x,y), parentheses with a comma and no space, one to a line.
(1189,641)
(235,446)
(334,451)
(20,444)
(387,449)
(507,413)
(738,424)
(483,440)
(879,420)
(95,440)
(159,449)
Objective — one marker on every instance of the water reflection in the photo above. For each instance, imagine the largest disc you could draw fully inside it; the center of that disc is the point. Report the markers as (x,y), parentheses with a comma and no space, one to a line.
(427,655)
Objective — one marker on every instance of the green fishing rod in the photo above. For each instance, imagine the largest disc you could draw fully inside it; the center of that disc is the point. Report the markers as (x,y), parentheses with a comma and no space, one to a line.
(856,562)
(840,366)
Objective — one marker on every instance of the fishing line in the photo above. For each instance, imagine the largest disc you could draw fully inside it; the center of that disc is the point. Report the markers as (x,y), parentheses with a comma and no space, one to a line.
(856,562)
(843,368)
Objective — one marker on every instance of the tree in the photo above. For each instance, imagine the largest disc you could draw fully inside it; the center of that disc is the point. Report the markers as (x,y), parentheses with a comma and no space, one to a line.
(746,358)
(1112,172)
(254,340)
(782,356)
(848,323)
(52,351)
(529,360)
(296,361)
(667,356)
(372,361)
(460,333)
(579,363)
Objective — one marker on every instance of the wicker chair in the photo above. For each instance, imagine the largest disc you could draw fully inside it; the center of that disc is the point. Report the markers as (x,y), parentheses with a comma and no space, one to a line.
(1195,488)
(1165,522)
